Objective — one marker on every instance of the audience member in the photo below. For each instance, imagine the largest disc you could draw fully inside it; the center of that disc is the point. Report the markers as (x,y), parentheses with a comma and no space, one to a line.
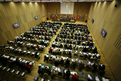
(67,74)
(28,67)
(75,77)
(52,73)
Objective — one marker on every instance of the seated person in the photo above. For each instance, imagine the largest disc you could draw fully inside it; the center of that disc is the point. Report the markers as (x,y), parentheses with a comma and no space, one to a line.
(75,77)
(46,57)
(85,55)
(61,45)
(36,55)
(102,67)
(98,57)
(62,61)
(59,52)
(84,49)
(67,62)
(56,62)
(70,46)
(56,39)
(70,54)
(8,42)
(92,57)
(81,65)
(50,50)
(37,47)
(28,46)
(74,64)
(65,45)
(94,67)
(86,38)
(68,74)
(64,73)
(52,73)
(45,35)
(89,78)
(40,69)
(28,67)
(88,66)
(94,49)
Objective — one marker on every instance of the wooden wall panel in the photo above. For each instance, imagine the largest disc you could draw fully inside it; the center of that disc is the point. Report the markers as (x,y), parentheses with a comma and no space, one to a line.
(2,39)
(53,8)
(80,8)
(23,13)
(107,16)
(44,14)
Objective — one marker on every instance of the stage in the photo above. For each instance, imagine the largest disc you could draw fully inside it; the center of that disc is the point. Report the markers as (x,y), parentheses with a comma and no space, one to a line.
(64,20)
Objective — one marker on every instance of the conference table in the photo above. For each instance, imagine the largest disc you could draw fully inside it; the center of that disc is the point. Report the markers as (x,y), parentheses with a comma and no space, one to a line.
(65,19)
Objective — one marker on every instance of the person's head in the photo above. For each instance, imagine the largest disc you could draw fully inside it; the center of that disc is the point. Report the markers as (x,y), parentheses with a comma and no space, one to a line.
(68,69)
(39,65)
(45,68)
(75,73)
(27,63)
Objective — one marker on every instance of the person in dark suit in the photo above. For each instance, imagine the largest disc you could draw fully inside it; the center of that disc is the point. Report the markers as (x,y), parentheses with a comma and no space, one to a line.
(102,67)
(46,58)
(81,65)
(67,74)
(70,54)
(74,64)
(94,67)
(65,46)
(62,61)
(67,62)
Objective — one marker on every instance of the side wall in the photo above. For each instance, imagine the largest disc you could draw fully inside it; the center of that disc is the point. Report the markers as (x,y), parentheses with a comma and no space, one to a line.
(80,8)
(108,17)
(23,13)
(53,8)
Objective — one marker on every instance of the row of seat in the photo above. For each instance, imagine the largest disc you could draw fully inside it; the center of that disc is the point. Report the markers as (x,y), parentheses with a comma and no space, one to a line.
(94,55)
(37,36)
(22,51)
(75,63)
(62,71)
(35,40)
(15,61)
(70,46)
(60,51)
(73,41)
(28,45)
(12,71)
